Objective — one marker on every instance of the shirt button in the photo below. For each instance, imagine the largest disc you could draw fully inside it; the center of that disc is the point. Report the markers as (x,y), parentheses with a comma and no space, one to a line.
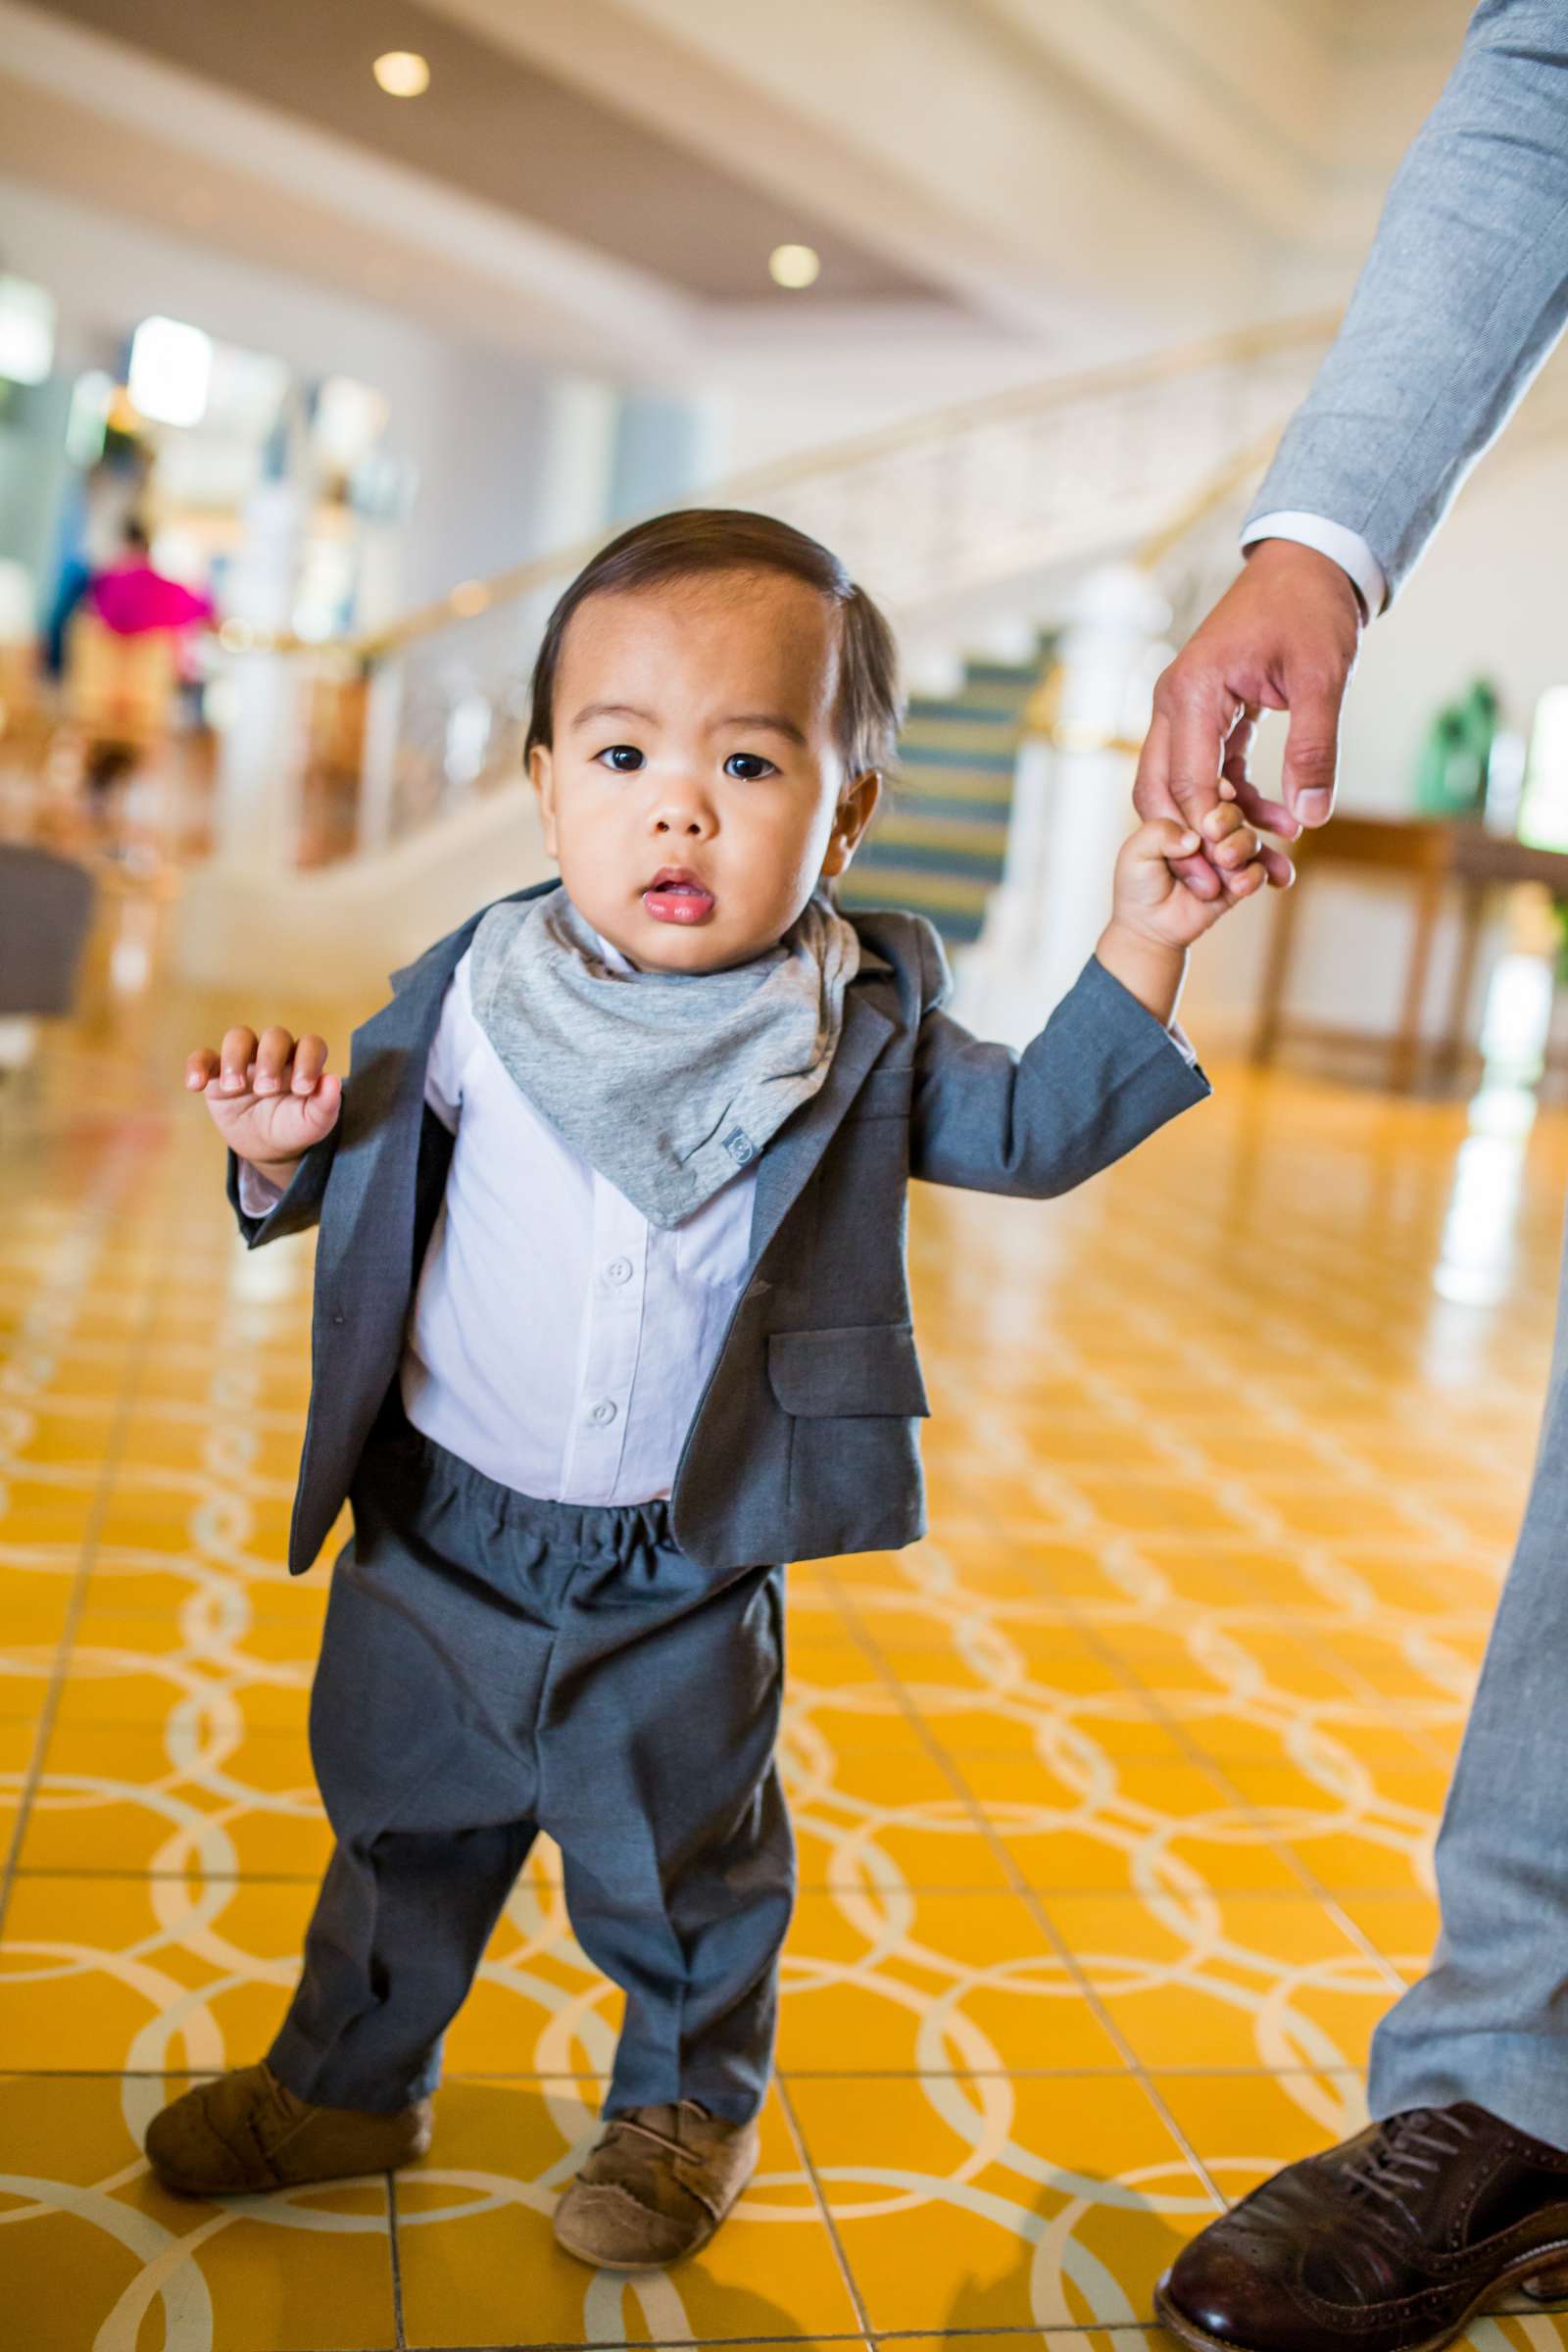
(620,1269)
(603,1412)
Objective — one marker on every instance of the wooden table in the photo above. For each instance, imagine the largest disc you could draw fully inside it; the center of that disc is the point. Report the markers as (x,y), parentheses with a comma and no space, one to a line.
(1431,854)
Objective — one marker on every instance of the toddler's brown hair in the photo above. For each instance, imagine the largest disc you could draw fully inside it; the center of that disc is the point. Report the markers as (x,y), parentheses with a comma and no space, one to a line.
(703,539)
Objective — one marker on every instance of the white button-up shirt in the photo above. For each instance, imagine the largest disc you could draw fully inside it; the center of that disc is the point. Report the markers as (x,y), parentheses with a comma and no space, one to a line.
(1343,546)
(559,1342)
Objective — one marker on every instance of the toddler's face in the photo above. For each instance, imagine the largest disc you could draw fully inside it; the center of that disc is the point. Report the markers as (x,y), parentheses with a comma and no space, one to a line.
(695,793)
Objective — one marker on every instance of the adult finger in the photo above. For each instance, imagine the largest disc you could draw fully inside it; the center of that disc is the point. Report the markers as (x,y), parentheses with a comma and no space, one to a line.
(1270,817)
(1155,801)
(1201,724)
(1313,747)
(1151,784)
(235,1055)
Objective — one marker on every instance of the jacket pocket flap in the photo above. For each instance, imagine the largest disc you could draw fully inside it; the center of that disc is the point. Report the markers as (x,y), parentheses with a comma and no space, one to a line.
(864,1368)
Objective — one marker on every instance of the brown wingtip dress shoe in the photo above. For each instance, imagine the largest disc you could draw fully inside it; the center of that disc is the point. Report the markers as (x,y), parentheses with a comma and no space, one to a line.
(1389,2243)
(656,2187)
(246,2131)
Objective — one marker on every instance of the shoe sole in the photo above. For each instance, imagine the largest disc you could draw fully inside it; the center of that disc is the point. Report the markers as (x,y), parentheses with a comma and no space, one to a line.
(1172,2316)
(182,2187)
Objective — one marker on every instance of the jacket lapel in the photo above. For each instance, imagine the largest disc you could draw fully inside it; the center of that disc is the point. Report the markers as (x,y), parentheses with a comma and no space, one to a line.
(795,1150)
(371,1190)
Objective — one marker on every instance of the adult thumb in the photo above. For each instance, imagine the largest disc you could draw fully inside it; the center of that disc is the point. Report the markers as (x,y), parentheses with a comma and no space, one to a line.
(1312,752)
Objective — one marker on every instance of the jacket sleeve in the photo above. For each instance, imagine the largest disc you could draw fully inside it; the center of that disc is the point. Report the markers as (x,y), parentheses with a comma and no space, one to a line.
(1463,294)
(296,1208)
(1102,1075)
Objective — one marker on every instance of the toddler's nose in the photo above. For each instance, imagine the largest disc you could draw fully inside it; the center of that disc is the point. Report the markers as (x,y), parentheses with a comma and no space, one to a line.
(686,817)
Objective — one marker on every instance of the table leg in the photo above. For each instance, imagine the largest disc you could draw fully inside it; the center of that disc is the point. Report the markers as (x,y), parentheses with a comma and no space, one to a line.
(1405,1059)
(1464,976)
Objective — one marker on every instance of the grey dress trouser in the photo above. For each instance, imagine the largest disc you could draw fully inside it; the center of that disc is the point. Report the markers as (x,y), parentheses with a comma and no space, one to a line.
(493,1666)
(1489,2021)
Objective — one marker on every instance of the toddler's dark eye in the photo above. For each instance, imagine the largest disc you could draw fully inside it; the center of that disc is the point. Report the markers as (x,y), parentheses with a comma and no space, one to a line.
(624,758)
(749,767)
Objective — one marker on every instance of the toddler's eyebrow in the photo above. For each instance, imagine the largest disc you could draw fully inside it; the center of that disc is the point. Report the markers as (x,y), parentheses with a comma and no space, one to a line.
(612,710)
(739,719)
(766,718)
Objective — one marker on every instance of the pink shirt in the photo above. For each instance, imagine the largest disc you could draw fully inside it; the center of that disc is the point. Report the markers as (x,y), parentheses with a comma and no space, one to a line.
(132,599)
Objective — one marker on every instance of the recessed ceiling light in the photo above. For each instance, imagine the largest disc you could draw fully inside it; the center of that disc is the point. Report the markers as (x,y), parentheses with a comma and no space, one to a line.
(402,73)
(794,265)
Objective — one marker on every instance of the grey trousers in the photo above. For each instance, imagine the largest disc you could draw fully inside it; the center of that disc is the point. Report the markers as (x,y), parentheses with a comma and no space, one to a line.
(493,1666)
(1489,2022)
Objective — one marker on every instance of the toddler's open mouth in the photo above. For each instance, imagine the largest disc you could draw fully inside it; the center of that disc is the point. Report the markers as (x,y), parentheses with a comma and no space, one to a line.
(674,896)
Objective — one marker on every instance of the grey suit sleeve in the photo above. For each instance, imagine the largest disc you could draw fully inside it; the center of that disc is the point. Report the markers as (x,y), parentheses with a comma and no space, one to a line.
(1463,294)
(1102,1075)
(295,1209)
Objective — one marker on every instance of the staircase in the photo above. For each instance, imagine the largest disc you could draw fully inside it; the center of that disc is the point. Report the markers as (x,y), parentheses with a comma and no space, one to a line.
(965,523)
(940,843)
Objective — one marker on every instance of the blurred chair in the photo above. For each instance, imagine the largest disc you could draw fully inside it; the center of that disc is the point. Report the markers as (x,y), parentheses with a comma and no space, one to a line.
(46,905)
(120,696)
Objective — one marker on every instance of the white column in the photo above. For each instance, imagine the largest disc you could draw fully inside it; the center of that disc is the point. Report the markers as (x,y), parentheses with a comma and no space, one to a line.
(227,919)
(263,746)
(1072,808)
(383,713)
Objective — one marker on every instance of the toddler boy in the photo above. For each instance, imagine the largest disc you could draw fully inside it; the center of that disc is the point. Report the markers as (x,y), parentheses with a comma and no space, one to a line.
(612,1320)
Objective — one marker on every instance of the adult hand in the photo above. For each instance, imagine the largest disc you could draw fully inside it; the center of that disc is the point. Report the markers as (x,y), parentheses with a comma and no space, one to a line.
(1283,637)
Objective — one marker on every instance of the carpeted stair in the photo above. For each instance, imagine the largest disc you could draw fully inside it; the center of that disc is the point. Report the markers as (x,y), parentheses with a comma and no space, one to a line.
(938,844)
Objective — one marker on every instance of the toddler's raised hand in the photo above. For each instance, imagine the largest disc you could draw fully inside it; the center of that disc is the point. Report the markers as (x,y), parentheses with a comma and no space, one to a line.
(1153,903)
(270,1097)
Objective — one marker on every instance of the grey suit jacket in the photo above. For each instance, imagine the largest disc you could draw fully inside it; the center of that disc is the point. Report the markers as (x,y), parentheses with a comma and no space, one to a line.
(805,1439)
(1463,294)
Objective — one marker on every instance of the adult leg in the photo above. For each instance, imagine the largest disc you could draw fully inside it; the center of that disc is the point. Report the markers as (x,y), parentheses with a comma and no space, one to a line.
(658,1779)
(1489,2022)
(1459,2187)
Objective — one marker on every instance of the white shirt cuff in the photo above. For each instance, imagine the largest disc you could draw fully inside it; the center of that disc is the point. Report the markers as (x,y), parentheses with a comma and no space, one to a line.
(1182,1042)
(1345,548)
(257,1193)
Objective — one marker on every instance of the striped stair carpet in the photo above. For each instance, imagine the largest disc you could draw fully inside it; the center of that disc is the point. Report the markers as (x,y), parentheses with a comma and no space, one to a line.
(938,844)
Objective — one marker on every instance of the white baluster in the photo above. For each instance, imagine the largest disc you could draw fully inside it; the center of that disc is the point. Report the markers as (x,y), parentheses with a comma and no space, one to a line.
(1071,809)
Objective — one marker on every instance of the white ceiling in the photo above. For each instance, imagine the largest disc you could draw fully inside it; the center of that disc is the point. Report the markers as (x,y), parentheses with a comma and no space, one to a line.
(1022,185)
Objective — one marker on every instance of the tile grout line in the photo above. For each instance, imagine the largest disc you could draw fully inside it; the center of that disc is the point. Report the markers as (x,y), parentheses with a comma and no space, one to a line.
(789,2074)
(822,2206)
(1042,1916)
(1084,1625)
(395,2258)
(1262,1896)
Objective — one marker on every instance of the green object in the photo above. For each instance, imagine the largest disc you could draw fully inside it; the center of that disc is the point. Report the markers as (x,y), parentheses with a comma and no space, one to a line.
(1452,774)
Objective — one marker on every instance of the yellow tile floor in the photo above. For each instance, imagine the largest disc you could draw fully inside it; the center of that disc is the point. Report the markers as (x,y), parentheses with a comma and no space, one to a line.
(1114,1796)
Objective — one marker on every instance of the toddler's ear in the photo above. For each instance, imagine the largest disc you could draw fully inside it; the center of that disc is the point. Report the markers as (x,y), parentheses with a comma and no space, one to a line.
(542,776)
(855,809)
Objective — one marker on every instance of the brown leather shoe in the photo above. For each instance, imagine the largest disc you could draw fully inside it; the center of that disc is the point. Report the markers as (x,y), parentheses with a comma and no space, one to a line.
(246,2131)
(656,2187)
(1389,2243)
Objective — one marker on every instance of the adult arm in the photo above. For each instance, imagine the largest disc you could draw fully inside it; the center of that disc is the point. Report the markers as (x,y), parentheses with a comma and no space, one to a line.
(1463,294)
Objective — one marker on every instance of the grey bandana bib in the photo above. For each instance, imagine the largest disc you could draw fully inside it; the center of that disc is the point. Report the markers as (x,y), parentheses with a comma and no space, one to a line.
(668,1083)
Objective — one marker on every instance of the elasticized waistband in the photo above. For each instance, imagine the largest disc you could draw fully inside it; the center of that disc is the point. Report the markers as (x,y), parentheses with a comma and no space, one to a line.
(588,1530)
